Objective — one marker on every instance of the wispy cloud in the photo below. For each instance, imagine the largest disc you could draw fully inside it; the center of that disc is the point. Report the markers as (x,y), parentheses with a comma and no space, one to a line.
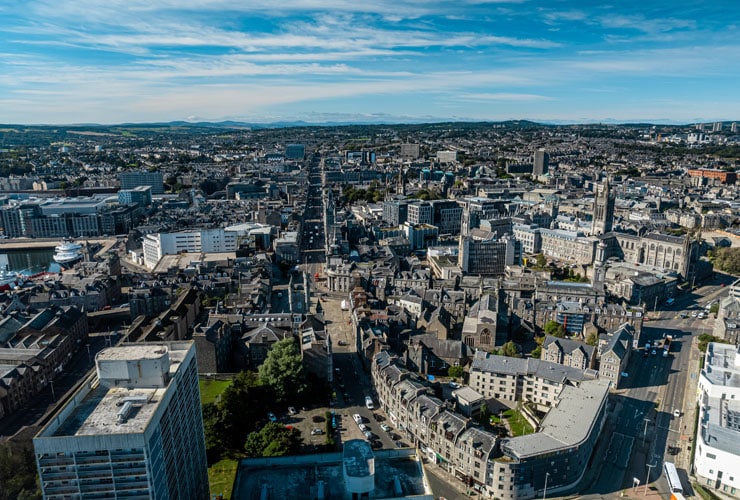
(138,59)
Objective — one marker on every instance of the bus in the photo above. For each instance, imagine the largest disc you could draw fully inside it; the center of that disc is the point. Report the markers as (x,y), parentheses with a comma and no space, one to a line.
(671,475)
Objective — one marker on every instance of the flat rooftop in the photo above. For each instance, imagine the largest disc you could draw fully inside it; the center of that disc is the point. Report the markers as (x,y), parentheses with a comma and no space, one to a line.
(95,408)
(298,477)
(567,424)
(722,366)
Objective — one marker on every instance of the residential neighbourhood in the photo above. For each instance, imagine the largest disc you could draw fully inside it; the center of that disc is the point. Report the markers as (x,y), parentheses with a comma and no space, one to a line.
(499,310)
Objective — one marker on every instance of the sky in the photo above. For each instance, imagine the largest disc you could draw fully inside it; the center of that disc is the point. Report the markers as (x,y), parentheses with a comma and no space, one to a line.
(116,61)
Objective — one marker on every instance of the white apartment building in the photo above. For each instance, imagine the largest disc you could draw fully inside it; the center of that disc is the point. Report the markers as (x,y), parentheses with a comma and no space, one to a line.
(196,241)
(135,430)
(568,246)
(717,459)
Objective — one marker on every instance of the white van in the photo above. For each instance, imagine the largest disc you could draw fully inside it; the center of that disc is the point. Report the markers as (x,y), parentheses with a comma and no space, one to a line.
(369,403)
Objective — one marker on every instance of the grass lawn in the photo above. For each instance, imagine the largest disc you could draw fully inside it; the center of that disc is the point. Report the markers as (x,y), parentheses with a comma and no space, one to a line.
(221,477)
(210,390)
(515,421)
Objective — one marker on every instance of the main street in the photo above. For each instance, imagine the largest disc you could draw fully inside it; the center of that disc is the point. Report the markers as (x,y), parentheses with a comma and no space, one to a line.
(643,430)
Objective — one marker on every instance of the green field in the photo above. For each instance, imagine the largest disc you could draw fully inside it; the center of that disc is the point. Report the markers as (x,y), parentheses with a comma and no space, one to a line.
(210,390)
(221,477)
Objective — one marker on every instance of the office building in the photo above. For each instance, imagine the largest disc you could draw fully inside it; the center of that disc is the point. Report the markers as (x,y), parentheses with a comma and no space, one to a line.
(447,156)
(541,162)
(717,458)
(191,241)
(420,213)
(130,180)
(141,195)
(409,151)
(134,430)
(395,212)
(482,253)
(295,151)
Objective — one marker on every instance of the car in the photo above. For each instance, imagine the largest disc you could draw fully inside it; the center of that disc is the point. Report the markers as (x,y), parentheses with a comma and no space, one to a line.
(646,353)
(375,443)
(368,435)
(677,413)
(317,419)
(653,352)
(684,315)
(369,403)
(399,444)
(395,437)
(317,431)
(357,418)
(694,314)
(271,416)
(454,385)
(385,427)
(701,315)
(362,427)
(342,342)
(292,411)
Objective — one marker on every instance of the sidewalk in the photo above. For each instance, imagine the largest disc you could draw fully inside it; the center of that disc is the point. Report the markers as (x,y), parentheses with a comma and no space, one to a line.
(688,432)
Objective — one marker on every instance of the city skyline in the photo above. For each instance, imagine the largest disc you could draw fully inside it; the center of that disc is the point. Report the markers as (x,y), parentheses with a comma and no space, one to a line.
(404,61)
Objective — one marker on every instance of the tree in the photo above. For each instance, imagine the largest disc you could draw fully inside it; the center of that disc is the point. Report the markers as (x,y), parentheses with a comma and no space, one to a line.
(510,349)
(273,440)
(18,473)
(540,260)
(592,339)
(555,329)
(283,369)
(455,371)
(727,260)
(714,309)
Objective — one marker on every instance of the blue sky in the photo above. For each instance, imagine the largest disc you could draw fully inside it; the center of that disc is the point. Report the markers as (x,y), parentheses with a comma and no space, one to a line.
(113,61)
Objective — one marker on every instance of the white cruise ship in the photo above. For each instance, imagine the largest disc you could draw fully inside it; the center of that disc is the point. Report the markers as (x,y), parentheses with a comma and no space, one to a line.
(68,252)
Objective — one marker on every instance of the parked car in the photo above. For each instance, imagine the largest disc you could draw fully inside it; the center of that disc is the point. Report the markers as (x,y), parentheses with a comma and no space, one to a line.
(342,342)
(368,435)
(454,385)
(292,411)
(357,418)
(317,431)
(676,413)
(369,403)
(362,427)
(385,427)
(271,416)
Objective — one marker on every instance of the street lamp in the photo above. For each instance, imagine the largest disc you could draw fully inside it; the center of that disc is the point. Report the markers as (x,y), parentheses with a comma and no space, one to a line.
(544,492)
(647,479)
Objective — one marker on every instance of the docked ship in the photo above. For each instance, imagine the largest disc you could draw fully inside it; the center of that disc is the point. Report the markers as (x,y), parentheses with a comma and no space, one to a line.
(67,253)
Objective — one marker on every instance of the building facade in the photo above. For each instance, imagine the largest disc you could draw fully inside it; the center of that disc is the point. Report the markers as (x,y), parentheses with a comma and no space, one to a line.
(135,430)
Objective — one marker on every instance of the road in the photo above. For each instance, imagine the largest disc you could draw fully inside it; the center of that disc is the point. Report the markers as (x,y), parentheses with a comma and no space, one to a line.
(644,429)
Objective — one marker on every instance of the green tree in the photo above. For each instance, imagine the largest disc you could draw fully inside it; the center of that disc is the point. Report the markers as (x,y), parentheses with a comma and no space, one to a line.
(727,260)
(714,309)
(540,260)
(455,371)
(282,370)
(592,339)
(510,349)
(18,473)
(273,440)
(555,329)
